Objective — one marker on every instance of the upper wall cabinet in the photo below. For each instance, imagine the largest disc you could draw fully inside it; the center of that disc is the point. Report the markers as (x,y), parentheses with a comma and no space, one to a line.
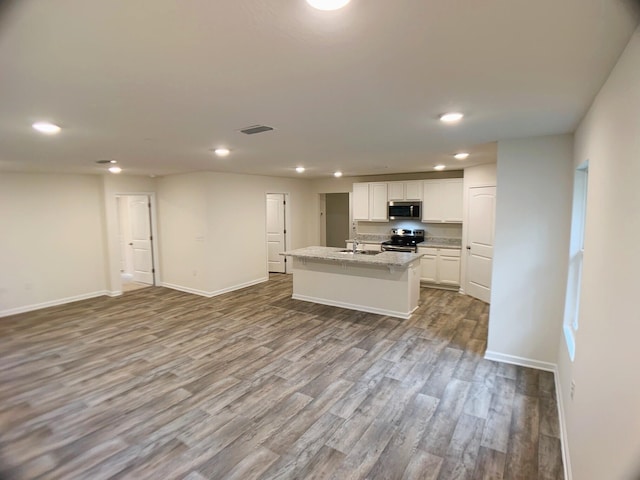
(360,201)
(442,200)
(411,190)
(370,202)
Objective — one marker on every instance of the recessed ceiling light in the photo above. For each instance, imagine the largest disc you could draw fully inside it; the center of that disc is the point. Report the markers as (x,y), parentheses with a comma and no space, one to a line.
(337,174)
(222,152)
(328,4)
(46,127)
(299,169)
(439,167)
(451,117)
(461,156)
(115,169)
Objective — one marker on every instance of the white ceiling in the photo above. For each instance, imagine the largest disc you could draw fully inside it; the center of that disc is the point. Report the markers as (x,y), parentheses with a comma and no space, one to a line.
(157,84)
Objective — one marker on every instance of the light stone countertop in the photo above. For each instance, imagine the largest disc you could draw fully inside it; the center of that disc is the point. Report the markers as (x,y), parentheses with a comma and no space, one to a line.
(439,243)
(434,242)
(391,259)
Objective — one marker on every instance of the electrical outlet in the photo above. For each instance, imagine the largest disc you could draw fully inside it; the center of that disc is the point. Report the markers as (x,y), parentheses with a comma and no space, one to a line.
(573,388)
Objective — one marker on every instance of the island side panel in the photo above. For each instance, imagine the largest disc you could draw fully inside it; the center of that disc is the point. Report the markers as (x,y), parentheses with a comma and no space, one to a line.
(377,289)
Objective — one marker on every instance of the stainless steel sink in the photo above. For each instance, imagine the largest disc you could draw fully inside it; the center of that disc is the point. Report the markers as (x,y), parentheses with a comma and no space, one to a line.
(359,252)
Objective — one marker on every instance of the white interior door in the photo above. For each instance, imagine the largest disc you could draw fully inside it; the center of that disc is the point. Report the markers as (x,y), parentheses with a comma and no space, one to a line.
(139,215)
(481,222)
(276,232)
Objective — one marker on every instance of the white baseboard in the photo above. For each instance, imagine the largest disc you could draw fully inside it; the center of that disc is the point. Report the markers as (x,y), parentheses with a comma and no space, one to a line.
(549,367)
(564,441)
(52,303)
(180,288)
(521,361)
(350,306)
(115,293)
(204,293)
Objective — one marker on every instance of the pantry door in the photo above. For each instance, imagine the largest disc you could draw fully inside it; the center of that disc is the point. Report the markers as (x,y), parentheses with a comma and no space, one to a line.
(481,223)
(276,232)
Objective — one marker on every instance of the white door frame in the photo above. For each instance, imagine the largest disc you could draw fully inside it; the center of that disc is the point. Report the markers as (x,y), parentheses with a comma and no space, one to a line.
(115,274)
(287,229)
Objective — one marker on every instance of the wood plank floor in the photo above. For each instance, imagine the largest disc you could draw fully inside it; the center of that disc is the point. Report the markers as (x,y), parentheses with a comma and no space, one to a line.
(161,384)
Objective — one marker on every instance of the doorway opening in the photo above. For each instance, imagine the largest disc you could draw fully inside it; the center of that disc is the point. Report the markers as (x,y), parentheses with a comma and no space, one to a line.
(135,239)
(335,228)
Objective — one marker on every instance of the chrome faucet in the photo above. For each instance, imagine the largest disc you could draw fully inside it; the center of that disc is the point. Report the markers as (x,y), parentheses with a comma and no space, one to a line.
(355,245)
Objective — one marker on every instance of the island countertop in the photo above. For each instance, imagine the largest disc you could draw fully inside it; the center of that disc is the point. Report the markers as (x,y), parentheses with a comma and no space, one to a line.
(333,254)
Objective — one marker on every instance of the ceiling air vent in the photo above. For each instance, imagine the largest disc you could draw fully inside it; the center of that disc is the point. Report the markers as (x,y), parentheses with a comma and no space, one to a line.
(253,129)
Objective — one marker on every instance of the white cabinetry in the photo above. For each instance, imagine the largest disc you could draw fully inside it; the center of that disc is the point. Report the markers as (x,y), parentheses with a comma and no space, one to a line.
(428,265)
(370,202)
(440,266)
(378,202)
(360,201)
(442,200)
(411,190)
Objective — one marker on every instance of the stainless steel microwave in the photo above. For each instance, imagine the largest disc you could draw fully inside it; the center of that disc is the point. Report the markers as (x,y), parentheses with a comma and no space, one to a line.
(398,210)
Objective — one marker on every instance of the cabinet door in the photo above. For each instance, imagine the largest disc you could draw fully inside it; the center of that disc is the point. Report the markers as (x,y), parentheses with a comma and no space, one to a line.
(378,202)
(396,190)
(428,268)
(428,264)
(448,269)
(360,201)
(431,201)
(413,190)
(451,191)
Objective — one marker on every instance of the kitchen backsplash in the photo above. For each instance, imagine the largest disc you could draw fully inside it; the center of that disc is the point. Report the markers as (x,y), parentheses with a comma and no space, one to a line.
(432,230)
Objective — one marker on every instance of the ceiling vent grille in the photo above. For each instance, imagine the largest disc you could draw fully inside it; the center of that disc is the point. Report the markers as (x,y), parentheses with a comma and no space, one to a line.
(253,129)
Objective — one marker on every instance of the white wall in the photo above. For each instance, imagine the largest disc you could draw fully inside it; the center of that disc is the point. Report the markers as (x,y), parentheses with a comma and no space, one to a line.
(212,228)
(51,240)
(533,214)
(603,419)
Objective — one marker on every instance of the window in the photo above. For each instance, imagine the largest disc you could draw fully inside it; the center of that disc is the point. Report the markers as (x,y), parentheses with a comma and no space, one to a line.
(576,256)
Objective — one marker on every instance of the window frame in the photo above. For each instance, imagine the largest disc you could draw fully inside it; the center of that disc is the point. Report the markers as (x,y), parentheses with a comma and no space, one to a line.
(571,321)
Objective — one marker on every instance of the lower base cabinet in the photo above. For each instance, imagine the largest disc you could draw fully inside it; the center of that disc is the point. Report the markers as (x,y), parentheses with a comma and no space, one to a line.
(440,267)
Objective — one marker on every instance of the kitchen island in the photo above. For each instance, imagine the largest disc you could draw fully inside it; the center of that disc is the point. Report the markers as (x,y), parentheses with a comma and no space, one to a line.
(387,283)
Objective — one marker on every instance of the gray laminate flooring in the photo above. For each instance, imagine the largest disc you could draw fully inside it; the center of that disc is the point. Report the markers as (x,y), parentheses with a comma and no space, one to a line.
(161,384)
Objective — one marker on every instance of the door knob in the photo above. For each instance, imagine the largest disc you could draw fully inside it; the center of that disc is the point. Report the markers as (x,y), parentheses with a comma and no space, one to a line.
(132,244)
(468,247)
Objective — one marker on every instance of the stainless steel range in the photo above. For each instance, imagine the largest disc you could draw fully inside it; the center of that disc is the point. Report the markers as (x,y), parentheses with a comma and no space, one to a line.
(403,240)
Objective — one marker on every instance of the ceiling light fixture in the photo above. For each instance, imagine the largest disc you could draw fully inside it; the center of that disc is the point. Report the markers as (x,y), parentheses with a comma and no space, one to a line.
(222,152)
(451,117)
(440,167)
(115,169)
(461,156)
(328,4)
(299,169)
(46,127)
(337,174)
